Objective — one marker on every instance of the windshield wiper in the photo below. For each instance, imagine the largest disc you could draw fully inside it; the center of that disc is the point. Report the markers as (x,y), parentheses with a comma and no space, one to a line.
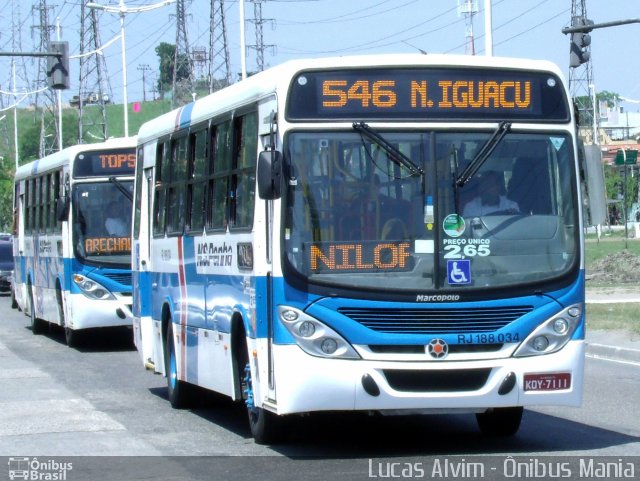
(394,154)
(484,153)
(121,188)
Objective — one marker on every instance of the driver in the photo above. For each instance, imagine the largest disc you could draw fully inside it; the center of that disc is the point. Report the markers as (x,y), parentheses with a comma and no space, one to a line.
(491,199)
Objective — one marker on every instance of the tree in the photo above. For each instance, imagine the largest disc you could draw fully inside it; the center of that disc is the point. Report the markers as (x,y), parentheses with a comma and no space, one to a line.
(166,53)
(7,171)
(29,140)
(614,185)
(584,101)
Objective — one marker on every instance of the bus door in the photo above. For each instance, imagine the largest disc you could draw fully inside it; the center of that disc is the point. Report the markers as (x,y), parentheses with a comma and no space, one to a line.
(19,276)
(147,339)
(269,141)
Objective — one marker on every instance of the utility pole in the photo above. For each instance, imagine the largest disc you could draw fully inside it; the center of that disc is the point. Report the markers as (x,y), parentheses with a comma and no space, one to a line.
(468,8)
(580,72)
(49,128)
(122,10)
(258,22)
(144,68)
(94,86)
(488,29)
(581,75)
(17,75)
(219,70)
(183,86)
(200,63)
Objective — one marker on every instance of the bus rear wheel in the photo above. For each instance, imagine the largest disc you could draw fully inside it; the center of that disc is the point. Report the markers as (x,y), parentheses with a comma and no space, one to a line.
(500,421)
(180,392)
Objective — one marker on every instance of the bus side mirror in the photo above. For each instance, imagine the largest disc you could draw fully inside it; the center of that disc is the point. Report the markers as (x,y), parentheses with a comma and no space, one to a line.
(62,208)
(269,174)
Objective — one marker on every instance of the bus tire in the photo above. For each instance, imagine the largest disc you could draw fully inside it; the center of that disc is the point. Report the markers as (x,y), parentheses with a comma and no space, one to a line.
(266,427)
(500,421)
(14,303)
(179,392)
(72,337)
(37,325)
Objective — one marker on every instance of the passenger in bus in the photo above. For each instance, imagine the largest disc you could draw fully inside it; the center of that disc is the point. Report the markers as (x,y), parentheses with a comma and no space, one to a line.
(491,198)
(114,223)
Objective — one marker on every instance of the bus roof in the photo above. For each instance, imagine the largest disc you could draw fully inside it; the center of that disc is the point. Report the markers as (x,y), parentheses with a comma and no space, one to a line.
(278,78)
(56,159)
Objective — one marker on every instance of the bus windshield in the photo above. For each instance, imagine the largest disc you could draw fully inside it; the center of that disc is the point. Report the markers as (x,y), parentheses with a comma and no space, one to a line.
(102,222)
(356,218)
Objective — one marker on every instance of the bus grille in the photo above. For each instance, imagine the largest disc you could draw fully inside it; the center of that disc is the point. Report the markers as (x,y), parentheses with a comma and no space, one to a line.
(457,380)
(435,321)
(122,278)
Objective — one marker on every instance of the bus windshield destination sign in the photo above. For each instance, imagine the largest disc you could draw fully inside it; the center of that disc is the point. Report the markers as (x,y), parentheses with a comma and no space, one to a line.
(333,257)
(107,245)
(105,163)
(425,94)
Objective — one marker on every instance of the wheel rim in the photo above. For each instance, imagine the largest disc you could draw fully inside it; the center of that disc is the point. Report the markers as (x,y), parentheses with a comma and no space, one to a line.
(173,371)
(248,388)
(32,310)
(253,411)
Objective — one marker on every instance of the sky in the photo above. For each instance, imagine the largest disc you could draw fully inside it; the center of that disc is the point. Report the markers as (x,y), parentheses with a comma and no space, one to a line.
(316,28)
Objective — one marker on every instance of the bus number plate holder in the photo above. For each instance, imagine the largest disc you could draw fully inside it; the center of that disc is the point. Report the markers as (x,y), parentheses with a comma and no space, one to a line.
(547,382)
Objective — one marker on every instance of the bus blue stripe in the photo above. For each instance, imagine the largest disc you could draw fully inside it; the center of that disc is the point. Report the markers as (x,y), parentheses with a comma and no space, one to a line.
(185,115)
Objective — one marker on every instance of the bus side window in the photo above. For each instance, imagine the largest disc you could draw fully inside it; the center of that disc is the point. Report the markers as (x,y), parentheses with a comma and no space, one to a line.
(176,193)
(219,166)
(244,177)
(197,182)
(162,177)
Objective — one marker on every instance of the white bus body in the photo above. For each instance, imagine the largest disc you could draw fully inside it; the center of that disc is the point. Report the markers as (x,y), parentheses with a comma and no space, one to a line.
(355,281)
(69,270)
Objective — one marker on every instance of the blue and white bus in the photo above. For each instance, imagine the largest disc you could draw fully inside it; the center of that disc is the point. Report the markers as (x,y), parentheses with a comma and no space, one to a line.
(73,264)
(322,236)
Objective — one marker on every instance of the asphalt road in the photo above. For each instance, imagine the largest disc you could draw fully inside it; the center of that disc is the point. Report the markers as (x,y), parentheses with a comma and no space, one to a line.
(98,408)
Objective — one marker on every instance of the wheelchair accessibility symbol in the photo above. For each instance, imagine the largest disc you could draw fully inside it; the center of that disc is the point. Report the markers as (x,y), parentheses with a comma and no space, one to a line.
(459,271)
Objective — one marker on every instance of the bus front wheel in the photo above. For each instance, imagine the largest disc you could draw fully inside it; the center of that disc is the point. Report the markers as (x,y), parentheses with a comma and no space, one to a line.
(266,427)
(37,325)
(500,421)
(71,337)
(179,391)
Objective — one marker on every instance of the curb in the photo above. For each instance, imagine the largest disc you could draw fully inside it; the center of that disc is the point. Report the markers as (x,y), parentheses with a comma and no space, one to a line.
(614,353)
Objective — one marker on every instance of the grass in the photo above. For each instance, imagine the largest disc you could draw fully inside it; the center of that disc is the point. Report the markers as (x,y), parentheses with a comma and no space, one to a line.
(623,316)
(614,316)
(597,250)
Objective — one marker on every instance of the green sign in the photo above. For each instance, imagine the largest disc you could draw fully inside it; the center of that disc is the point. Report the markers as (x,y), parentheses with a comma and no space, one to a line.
(628,157)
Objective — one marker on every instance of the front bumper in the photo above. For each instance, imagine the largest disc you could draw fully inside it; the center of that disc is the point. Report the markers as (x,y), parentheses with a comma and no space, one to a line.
(84,313)
(305,383)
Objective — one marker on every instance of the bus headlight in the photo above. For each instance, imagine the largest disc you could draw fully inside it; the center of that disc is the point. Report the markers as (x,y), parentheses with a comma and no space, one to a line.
(314,337)
(552,335)
(92,289)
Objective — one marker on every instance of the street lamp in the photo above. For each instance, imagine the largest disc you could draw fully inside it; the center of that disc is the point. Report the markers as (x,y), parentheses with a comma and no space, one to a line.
(122,11)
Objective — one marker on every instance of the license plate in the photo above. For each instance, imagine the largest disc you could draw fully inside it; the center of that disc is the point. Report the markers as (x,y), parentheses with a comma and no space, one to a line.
(547,382)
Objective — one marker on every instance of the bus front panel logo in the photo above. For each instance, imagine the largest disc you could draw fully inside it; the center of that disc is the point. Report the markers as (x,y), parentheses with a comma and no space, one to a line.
(438,349)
